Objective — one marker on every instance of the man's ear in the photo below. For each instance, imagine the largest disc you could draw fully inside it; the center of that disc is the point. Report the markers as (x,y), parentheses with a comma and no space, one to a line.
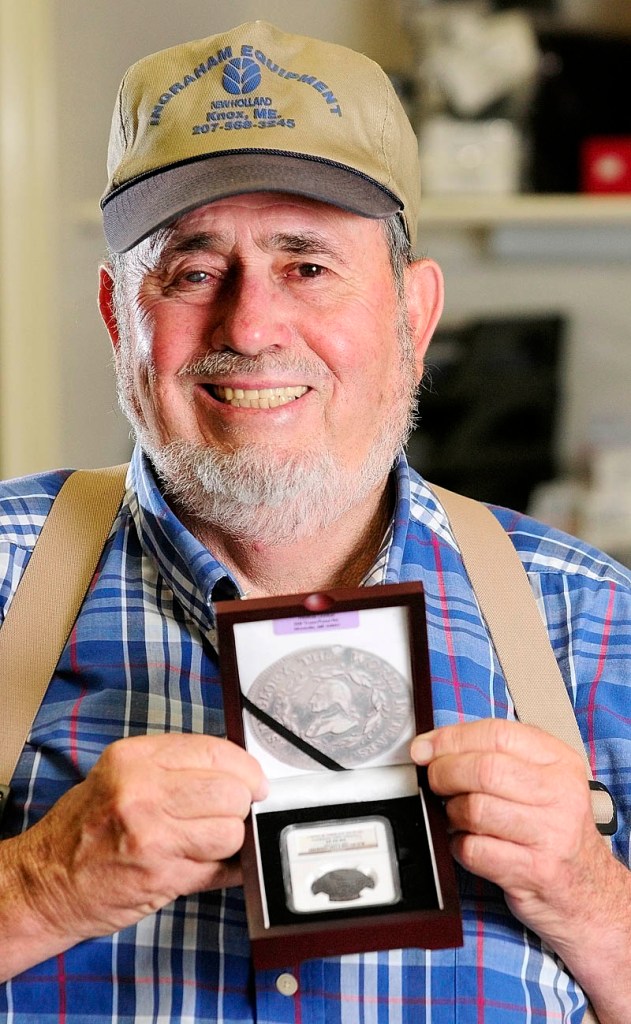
(107,305)
(424,292)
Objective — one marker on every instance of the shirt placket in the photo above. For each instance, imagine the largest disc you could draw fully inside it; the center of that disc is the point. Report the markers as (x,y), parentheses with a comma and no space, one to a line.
(292,995)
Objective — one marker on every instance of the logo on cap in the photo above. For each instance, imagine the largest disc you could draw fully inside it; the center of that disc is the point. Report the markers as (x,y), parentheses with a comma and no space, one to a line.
(241,75)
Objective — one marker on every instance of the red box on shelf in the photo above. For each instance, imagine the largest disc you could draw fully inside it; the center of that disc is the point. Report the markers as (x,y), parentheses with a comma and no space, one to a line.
(606,165)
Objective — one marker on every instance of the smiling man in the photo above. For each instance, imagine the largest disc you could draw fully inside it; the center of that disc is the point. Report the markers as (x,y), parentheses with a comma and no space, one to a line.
(269,325)
(269,366)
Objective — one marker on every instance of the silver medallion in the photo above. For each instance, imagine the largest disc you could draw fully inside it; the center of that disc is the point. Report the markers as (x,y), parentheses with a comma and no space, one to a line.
(348,703)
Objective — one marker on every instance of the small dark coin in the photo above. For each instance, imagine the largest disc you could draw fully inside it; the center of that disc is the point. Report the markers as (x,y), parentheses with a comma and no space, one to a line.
(343,884)
(348,703)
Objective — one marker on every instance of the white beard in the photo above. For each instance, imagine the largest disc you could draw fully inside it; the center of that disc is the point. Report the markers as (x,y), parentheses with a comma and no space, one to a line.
(261,492)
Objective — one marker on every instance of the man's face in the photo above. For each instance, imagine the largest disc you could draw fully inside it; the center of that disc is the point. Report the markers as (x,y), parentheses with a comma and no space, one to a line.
(265,333)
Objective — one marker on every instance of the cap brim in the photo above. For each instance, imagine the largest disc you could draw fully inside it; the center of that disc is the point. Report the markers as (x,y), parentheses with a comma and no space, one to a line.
(136,209)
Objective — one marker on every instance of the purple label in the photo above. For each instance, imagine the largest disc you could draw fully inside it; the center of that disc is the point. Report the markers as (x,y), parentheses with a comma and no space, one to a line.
(317,623)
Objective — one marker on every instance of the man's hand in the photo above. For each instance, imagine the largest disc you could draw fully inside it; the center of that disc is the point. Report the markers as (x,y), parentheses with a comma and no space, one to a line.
(518,806)
(156,818)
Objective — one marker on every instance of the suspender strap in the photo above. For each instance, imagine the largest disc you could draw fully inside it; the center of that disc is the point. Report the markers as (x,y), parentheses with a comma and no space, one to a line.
(47,601)
(519,634)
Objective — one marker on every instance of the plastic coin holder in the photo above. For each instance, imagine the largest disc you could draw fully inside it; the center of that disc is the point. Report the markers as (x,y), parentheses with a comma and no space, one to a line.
(331,865)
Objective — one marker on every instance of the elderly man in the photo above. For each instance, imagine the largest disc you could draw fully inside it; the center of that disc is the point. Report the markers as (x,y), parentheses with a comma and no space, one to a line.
(269,326)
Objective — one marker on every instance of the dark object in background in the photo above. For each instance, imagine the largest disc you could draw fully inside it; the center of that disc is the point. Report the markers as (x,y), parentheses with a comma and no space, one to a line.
(548,6)
(488,418)
(583,92)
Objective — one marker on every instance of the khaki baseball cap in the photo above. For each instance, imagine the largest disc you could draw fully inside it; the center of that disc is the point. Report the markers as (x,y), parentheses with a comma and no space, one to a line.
(256,109)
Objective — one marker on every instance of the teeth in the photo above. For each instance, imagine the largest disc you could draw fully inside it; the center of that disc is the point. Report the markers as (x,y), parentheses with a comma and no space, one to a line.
(259,398)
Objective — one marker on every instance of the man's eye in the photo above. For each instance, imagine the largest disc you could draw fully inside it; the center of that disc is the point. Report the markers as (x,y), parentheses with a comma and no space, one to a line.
(196,277)
(310,270)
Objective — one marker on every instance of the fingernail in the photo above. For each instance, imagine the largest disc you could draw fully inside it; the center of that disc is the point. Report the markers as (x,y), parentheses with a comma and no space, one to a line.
(422,749)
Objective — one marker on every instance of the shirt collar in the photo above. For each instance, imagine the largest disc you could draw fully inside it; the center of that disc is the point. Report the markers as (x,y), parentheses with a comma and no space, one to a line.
(189,568)
(416,501)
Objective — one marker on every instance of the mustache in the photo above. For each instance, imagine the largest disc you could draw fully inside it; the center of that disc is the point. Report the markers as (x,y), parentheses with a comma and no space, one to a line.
(225,363)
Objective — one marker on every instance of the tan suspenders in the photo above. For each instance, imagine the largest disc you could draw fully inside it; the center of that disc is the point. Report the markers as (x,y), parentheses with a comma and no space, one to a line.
(524,652)
(47,601)
(518,632)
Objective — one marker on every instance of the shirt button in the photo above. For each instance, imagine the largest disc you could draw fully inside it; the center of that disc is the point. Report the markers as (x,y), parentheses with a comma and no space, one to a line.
(286,984)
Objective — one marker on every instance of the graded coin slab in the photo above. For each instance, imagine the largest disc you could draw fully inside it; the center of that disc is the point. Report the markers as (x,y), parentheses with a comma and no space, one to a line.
(333,865)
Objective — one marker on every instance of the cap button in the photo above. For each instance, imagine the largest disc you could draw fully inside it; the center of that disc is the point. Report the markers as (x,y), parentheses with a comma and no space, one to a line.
(286,984)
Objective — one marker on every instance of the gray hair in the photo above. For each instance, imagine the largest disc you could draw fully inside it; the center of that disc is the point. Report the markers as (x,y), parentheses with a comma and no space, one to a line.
(399,249)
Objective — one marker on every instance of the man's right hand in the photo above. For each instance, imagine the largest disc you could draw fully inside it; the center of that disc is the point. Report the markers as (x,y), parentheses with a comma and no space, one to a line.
(156,818)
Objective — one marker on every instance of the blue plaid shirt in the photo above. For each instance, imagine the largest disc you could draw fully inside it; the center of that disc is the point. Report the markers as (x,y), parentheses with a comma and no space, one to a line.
(135,664)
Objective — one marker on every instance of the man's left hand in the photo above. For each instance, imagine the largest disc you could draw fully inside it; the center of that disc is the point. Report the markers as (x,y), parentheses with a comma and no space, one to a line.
(519,810)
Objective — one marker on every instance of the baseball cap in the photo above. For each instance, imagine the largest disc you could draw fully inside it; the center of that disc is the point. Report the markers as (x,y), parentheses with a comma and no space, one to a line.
(250,110)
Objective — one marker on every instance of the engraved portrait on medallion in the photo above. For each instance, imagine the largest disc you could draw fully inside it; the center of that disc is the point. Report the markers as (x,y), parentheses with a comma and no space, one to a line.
(348,703)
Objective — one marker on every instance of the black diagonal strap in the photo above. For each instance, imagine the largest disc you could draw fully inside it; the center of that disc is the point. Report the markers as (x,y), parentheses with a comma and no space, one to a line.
(291,737)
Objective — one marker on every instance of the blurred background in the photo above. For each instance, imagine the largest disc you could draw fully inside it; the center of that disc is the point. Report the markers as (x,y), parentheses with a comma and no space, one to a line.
(524,124)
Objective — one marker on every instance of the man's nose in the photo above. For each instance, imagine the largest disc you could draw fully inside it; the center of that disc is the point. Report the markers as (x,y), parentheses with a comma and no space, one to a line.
(253,316)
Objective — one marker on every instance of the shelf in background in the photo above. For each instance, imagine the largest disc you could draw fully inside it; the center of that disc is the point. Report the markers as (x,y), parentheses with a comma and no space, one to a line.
(494,211)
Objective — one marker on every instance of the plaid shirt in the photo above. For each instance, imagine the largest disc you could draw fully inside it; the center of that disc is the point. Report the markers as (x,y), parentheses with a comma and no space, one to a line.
(135,663)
